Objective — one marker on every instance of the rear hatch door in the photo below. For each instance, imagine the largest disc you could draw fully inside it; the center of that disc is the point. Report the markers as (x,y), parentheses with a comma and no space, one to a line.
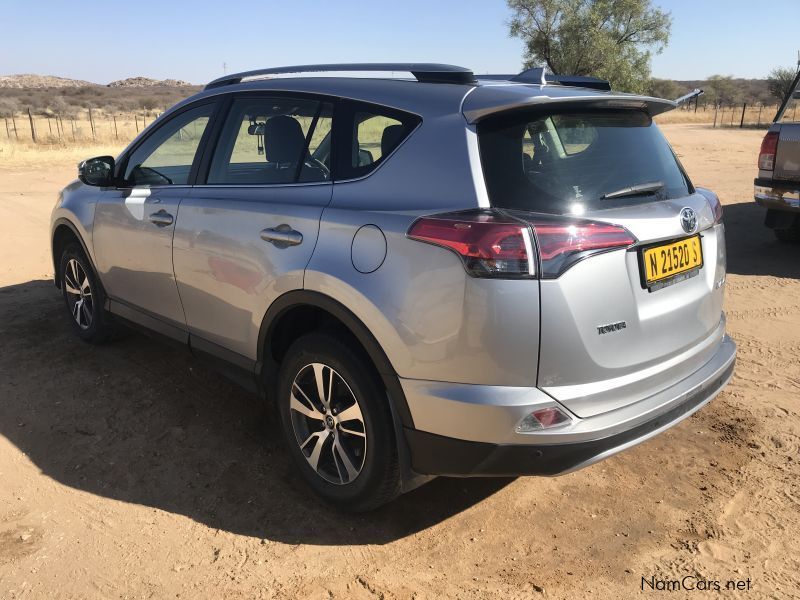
(617,324)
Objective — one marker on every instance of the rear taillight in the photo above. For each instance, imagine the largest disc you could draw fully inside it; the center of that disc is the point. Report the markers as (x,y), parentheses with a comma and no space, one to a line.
(766,157)
(489,244)
(563,242)
(493,245)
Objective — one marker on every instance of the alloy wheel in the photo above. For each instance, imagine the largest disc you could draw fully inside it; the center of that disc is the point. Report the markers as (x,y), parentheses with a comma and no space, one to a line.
(79,294)
(328,424)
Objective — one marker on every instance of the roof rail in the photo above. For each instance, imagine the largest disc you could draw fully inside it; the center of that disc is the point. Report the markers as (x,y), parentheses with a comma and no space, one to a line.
(423,72)
(540,76)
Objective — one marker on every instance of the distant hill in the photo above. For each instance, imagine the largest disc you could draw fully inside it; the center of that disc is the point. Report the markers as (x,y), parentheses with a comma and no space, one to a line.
(147,82)
(31,81)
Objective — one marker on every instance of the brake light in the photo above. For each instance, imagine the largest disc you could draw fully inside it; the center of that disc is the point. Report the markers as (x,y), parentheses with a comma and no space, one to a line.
(563,242)
(766,156)
(489,245)
(494,245)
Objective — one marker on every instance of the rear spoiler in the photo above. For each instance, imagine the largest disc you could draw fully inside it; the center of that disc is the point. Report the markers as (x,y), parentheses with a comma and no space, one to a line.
(476,110)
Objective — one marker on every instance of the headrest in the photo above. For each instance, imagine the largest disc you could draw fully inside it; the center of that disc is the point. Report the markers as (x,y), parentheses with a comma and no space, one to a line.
(391,137)
(283,139)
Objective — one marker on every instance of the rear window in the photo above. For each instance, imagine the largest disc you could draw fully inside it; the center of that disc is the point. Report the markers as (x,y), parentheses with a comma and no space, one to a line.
(566,163)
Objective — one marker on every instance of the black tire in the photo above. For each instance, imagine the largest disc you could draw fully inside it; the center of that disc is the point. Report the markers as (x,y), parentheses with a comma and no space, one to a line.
(95,324)
(790,235)
(378,480)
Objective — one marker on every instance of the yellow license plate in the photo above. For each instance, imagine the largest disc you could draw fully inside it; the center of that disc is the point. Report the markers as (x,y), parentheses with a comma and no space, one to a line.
(662,262)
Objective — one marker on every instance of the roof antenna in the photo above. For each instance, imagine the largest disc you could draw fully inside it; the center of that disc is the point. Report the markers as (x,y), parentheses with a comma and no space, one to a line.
(544,75)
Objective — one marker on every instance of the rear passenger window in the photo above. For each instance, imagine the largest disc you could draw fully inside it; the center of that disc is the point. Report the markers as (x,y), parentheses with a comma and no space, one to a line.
(376,132)
(272,141)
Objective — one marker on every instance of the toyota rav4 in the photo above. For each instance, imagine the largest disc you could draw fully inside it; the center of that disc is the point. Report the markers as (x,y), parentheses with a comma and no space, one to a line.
(439,274)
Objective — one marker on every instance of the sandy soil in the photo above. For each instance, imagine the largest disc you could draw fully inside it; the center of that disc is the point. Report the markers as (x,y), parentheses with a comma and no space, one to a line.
(130,471)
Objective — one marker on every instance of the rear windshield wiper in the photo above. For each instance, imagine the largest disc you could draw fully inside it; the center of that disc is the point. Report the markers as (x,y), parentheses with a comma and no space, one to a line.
(634,190)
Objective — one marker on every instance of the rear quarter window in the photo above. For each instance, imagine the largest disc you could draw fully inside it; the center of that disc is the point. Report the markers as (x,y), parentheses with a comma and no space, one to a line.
(369,134)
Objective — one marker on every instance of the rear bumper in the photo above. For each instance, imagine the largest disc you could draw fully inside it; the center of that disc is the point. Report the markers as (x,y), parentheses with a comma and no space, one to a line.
(783,196)
(558,451)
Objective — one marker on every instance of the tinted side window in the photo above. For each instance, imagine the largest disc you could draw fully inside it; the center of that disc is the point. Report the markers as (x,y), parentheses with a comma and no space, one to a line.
(272,141)
(373,133)
(166,157)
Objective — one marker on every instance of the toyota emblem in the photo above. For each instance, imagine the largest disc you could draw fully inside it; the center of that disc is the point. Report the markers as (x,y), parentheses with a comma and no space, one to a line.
(688,220)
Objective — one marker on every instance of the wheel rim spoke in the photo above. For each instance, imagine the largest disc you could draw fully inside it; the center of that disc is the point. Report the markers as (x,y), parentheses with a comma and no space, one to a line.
(318,439)
(87,313)
(319,377)
(352,472)
(76,311)
(70,282)
(353,413)
(353,432)
(309,410)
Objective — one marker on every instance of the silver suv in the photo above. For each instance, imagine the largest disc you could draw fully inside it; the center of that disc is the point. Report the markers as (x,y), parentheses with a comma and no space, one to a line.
(434,275)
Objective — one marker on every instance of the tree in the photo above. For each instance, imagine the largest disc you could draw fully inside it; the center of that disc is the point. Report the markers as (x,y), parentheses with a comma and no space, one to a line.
(8,107)
(664,88)
(779,82)
(612,39)
(720,90)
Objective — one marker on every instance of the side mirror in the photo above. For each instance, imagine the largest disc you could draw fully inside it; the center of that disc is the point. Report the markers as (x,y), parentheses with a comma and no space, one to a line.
(98,171)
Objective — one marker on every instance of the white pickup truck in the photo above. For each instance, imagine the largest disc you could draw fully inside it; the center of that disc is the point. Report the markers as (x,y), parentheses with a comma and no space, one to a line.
(777,187)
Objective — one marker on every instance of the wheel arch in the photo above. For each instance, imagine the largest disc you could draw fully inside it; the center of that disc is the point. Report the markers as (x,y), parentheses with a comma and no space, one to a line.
(301,311)
(64,233)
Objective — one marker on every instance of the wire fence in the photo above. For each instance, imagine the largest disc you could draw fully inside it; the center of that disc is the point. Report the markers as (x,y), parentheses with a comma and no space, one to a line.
(739,115)
(78,127)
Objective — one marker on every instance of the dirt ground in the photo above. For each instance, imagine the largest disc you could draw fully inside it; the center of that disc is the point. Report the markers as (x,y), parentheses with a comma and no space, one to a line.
(131,471)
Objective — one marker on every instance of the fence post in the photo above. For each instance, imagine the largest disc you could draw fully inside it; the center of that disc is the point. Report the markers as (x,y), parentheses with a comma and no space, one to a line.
(715,115)
(116,132)
(741,123)
(72,126)
(61,122)
(50,125)
(33,129)
(760,106)
(14,122)
(91,123)
(136,122)
(8,131)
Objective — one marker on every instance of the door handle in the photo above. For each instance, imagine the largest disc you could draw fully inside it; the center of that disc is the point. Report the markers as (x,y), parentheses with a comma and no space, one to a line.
(161,218)
(282,236)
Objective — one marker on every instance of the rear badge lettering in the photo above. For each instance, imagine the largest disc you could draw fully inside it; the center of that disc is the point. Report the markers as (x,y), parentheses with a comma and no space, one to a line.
(611,327)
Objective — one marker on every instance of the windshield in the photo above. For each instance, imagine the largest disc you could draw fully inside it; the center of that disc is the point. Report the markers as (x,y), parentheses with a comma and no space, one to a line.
(570,163)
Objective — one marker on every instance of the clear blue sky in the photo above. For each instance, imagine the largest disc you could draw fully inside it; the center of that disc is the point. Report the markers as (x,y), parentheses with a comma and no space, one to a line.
(103,40)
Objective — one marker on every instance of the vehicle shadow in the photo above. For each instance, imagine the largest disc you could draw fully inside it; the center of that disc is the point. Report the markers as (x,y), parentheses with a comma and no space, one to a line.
(143,422)
(752,248)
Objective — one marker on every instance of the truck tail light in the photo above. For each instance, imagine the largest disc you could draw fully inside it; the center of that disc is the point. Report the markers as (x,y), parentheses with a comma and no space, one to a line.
(766,157)
(492,244)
